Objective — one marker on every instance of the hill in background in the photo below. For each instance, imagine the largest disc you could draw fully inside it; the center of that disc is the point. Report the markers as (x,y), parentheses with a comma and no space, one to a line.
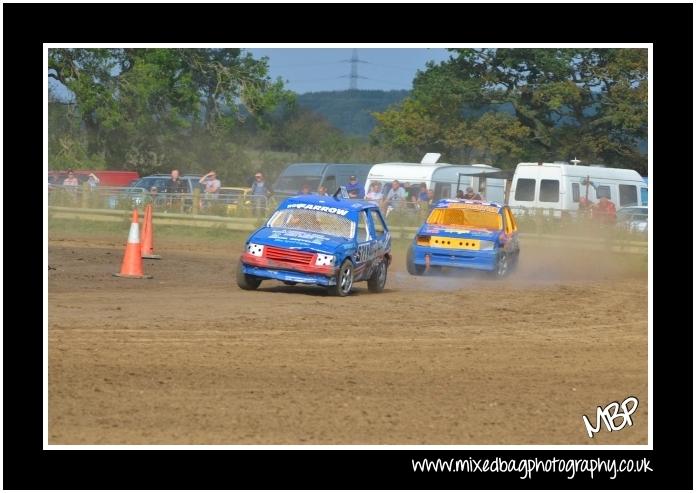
(350,111)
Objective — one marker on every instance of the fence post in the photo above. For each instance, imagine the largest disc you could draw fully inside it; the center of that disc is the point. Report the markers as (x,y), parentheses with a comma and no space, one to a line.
(196,200)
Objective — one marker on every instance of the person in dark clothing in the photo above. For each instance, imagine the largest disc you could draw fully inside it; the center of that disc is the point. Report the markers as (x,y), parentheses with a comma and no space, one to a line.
(175,184)
(355,191)
(471,195)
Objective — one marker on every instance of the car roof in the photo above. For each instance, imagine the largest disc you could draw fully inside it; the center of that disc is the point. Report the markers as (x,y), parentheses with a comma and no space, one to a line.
(352,204)
(445,203)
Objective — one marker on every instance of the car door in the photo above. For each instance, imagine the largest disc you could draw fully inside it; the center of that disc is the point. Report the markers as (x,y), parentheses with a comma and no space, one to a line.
(364,253)
(510,229)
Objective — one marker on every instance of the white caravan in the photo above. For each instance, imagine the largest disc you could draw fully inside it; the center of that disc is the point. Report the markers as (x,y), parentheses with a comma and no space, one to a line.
(558,187)
(442,178)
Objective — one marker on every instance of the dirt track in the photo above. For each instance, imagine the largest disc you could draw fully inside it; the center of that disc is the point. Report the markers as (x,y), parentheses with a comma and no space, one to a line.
(188,358)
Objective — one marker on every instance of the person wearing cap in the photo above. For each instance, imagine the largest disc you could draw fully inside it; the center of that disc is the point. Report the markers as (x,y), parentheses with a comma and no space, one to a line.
(354,189)
(260,192)
(471,195)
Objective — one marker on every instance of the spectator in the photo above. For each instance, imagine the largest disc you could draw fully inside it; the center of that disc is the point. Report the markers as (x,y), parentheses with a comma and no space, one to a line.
(175,184)
(305,190)
(460,194)
(423,193)
(323,191)
(471,195)
(604,211)
(93,181)
(354,189)
(71,180)
(260,192)
(396,193)
(211,183)
(375,194)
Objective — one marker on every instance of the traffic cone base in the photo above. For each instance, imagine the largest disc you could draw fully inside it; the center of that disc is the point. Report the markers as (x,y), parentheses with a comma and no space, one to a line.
(132,266)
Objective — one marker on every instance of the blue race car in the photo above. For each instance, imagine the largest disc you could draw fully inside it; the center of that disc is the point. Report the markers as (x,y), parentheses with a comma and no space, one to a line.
(321,240)
(466,234)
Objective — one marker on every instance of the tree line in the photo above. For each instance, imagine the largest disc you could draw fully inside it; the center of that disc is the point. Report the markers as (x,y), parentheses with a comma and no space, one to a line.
(152,110)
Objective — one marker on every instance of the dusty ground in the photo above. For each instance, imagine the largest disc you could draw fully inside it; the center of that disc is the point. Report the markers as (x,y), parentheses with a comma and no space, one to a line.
(188,358)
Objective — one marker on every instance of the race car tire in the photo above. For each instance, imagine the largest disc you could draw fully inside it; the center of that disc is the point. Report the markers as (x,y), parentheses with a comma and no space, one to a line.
(515,262)
(502,266)
(411,267)
(344,280)
(376,282)
(289,283)
(245,281)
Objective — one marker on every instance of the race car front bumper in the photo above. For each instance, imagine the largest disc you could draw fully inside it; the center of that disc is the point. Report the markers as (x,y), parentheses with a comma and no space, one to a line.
(460,259)
(288,271)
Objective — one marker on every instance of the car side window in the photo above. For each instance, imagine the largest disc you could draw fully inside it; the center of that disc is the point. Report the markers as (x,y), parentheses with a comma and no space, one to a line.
(363,233)
(378,223)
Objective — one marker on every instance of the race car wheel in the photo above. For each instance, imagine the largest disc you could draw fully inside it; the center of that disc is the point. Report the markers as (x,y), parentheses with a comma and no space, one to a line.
(289,283)
(245,281)
(411,267)
(344,280)
(375,284)
(502,266)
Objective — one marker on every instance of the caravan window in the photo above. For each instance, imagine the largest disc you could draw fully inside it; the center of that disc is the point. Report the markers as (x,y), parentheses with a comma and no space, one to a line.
(548,191)
(576,192)
(628,195)
(525,189)
(644,196)
(603,191)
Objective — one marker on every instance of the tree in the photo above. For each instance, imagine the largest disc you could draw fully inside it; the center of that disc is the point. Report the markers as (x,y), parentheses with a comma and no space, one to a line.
(567,100)
(141,107)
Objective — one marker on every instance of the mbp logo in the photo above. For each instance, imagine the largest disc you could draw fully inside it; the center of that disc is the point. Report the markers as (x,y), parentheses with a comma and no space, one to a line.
(610,413)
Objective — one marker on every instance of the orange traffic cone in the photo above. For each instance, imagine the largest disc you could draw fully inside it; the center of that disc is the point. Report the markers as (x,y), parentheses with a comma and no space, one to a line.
(147,250)
(132,266)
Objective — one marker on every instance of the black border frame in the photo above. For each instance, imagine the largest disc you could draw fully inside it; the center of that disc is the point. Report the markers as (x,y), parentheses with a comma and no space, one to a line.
(27,26)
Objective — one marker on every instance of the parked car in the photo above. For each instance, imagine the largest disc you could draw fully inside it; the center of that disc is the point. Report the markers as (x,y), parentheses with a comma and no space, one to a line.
(159,181)
(329,175)
(327,241)
(633,218)
(466,234)
(234,198)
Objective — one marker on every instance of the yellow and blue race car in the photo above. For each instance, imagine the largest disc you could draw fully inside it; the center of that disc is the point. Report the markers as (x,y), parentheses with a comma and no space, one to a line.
(466,234)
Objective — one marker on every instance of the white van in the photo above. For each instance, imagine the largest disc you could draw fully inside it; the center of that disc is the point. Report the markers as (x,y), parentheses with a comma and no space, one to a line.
(558,187)
(442,178)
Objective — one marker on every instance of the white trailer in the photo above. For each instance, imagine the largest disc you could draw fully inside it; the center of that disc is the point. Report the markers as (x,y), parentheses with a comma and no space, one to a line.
(558,187)
(442,178)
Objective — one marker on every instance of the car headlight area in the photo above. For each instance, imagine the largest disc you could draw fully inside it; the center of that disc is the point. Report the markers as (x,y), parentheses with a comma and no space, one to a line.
(255,249)
(323,259)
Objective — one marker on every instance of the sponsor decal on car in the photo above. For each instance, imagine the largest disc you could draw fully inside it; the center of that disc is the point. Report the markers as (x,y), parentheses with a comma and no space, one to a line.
(316,207)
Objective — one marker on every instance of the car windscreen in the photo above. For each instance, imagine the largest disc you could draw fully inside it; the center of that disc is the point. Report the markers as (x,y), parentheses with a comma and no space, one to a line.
(466,218)
(293,184)
(313,221)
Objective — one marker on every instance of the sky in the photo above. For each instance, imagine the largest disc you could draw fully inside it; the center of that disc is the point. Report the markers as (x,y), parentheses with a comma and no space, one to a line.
(326,69)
